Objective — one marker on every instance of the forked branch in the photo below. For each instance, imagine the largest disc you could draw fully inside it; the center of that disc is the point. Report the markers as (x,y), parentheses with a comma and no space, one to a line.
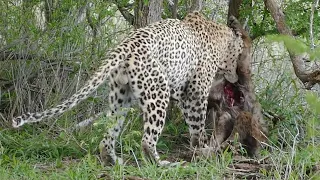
(308,77)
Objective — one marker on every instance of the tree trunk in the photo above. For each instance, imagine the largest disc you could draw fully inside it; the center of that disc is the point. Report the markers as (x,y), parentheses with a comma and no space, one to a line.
(234,8)
(146,13)
(196,5)
(174,9)
(309,78)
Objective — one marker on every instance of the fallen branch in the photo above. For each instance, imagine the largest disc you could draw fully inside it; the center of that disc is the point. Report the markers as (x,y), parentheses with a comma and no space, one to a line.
(247,168)
(273,117)
(87,122)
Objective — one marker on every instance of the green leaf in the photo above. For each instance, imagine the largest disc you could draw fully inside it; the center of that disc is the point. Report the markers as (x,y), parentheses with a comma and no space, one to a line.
(315,54)
(62,135)
(313,101)
(292,44)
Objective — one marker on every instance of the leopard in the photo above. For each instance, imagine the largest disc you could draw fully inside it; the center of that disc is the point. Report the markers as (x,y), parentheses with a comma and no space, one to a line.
(171,58)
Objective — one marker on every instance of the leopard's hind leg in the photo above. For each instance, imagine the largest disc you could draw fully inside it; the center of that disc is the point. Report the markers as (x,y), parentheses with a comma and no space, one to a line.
(153,100)
(120,97)
(194,110)
(195,115)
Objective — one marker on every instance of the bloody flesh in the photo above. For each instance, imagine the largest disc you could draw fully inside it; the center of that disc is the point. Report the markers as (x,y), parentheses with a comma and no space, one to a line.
(232,94)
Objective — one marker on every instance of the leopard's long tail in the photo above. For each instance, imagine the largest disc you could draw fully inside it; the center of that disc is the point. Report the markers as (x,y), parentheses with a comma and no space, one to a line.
(91,85)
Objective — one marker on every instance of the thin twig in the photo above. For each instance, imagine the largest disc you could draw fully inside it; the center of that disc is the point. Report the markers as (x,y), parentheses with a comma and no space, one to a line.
(314,6)
(293,152)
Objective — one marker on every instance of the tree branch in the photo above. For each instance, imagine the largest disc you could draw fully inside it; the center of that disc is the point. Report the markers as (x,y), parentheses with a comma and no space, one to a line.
(309,78)
(91,23)
(125,13)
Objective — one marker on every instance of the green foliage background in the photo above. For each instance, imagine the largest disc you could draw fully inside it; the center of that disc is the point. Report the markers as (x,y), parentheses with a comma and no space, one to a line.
(59,55)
